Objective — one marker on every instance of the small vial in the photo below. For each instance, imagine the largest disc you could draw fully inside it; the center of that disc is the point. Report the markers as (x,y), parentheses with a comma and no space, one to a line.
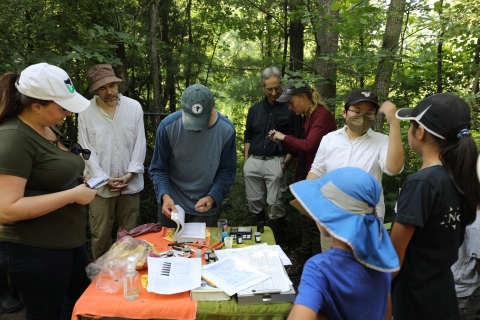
(207,253)
(239,239)
(198,253)
(212,257)
(170,254)
(187,251)
(258,237)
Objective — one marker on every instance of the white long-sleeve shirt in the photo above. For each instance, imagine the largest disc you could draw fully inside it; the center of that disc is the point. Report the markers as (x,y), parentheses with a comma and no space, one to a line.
(368,152)
(118,145)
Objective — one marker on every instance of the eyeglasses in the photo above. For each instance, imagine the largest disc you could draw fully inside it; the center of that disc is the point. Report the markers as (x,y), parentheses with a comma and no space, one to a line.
(74,147)
(369,115)
(276,89)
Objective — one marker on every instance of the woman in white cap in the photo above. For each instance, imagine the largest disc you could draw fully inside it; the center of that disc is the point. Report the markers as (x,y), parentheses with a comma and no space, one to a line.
(434,207)
(42,214)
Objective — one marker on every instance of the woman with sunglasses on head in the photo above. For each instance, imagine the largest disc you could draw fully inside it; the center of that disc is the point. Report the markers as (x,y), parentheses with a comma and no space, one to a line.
(42,213)
(317,122)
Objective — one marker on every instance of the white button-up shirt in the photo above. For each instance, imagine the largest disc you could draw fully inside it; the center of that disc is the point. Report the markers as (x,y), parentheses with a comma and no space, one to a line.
(368,152)
(118,145)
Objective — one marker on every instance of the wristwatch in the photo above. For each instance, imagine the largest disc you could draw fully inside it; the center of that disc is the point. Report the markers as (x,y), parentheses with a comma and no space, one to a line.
(286,164)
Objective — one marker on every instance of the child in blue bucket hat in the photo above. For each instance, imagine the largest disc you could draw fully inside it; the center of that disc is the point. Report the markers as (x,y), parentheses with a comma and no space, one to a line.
(352,280)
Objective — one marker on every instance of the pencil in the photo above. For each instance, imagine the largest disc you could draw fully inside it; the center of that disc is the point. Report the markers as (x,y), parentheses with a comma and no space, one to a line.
(208,281)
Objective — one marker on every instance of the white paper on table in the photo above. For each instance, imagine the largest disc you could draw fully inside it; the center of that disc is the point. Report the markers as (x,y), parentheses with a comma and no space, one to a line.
(224,253)
(268,262)
(285,260)
(173,275)
(232,275)
(259,247)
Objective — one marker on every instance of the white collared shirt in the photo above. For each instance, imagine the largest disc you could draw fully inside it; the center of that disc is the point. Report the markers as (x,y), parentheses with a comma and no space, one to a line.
(368,152)
(118,145)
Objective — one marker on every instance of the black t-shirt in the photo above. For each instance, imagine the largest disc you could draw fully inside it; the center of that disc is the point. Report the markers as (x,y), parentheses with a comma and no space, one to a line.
(424,289)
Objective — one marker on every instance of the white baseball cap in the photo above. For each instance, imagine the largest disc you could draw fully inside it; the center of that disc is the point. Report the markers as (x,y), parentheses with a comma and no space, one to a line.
(47,82)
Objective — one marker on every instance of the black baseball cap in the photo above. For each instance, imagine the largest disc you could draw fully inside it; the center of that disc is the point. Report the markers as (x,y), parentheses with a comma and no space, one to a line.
(359,95)
(441,114)
(292,88)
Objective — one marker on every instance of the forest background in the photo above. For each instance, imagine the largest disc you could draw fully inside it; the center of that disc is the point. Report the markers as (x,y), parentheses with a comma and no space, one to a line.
(404,50)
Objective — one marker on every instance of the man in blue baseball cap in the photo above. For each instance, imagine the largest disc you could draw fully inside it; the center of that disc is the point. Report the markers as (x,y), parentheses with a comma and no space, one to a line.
(351,280)
(194,160)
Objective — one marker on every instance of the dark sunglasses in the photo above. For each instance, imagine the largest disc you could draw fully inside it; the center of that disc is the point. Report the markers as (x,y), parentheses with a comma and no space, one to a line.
(74,147)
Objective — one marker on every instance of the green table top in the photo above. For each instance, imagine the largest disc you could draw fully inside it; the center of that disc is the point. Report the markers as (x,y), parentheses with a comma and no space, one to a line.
(230,310)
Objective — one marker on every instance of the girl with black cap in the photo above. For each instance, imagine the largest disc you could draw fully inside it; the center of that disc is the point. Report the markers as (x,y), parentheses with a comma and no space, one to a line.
(434,206)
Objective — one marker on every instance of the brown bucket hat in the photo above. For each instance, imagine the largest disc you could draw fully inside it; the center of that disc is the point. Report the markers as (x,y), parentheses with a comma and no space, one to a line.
(100,75)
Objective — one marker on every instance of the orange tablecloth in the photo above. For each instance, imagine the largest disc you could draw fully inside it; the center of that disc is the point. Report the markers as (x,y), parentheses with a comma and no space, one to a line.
(96,303)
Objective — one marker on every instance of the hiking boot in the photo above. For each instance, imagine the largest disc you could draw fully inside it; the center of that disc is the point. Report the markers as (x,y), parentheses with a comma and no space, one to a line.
(8,303)
(299,259)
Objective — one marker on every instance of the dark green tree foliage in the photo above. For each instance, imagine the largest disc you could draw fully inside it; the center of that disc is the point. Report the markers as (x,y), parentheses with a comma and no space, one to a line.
(225,44)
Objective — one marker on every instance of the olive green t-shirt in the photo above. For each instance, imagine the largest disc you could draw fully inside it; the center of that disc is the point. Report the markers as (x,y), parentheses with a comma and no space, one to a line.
(48,169)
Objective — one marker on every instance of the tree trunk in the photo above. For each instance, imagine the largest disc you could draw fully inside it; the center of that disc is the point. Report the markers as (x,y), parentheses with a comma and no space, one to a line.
(475,86)
(169,62)
(296,43)
(439,52)
(121,69)
(154,65)
(389,46)
(327,49)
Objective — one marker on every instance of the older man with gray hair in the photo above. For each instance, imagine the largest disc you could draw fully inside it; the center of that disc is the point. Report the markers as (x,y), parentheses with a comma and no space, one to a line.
(265,161)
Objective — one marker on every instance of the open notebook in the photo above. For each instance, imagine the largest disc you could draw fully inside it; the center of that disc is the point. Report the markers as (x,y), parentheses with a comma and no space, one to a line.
(186,232)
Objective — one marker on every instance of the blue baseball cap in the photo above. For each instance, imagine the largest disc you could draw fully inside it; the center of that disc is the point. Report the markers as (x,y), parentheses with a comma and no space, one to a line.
(197,105)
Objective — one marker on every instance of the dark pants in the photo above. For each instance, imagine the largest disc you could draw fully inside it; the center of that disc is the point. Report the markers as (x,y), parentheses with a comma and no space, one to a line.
(310,237)
(49,281)
(211,221)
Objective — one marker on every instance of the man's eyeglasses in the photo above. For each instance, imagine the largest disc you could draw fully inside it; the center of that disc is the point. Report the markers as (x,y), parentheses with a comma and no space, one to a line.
(369,115)
(74,147)
(276,89)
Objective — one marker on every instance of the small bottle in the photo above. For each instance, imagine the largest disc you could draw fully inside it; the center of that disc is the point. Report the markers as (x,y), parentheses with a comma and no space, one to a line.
(170,254)
(212,257)
(258,237)
(131,281)
(239,239)
(187,251)
(207,254)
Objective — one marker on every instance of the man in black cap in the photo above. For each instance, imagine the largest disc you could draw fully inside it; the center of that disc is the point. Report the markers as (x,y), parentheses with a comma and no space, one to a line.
(357,145)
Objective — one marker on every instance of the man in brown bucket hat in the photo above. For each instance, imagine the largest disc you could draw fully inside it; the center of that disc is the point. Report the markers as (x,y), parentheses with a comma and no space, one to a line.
(113,130)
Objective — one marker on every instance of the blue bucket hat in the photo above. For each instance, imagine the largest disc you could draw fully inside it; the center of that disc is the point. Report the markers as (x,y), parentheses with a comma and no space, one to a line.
(343,201)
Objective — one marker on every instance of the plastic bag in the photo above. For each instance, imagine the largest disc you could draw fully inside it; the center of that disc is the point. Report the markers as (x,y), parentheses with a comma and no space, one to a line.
(107,272)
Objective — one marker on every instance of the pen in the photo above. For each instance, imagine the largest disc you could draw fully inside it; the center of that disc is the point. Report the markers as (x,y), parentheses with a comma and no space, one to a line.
(177,243)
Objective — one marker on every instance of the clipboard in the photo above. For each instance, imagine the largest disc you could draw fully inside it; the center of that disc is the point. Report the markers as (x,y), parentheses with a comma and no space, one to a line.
(294,203)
